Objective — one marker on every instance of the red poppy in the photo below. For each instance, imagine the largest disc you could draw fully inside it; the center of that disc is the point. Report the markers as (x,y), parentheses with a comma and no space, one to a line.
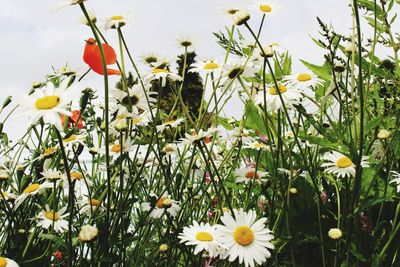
(75,119)
(92,57)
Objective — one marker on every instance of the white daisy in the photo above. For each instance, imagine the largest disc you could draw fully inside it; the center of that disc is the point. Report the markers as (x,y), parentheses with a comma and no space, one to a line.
(396,180)
(267,7)
(135,98)
(240,17)
(254,144)
(92,17)
(272,99)
(31,190)
(169,123)
(249,173)
(161,73)
(341,165)
(185,41)
(206,66)
(90,206)
(245,238)
(88,233)
(141,119)
(150,59)
(52,174)
(162,204)
(48,103)
(6,262)
(203,236)
(117,21)
(235,69)
(48,217)
(73,140)
(63,3)
(302,81)
(7,195)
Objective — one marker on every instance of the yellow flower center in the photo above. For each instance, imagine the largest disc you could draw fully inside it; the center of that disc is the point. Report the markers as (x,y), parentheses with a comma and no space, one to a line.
(265,8)
(31,188)
(160,202)
(94,202)
(70,139)
(169,122)
(117,17)
(4,194)
(252,175)
(137,120)
(273,91)
(157,70)
(344,162)
(116,148)
(47,102)
(304,77)
(76,175)
(211,66)
(49,151)
(243,235)
(3,262)
(204,236)
(169,149)
(54,216)
(257,145)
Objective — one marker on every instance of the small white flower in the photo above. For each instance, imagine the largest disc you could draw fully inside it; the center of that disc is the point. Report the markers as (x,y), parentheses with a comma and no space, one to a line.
(135,98)
(6,262)
(161,73)
(245,238)
(267,7)
(31,190)
(161,204)
(339,164)
(272,100)
(48,217)
(240,17)
(301,81)
(233,70)
(48,103)
(117,21)
(169,123)
(396,180)
(63,3)
(335,233)
(203,236)
(248,174)
(88,233)
(205,66)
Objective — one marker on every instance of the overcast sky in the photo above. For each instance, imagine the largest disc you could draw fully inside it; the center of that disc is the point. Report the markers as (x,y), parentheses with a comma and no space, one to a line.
(32,40)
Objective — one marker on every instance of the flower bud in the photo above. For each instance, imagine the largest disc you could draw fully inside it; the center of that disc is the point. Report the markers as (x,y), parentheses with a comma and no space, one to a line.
(335,233)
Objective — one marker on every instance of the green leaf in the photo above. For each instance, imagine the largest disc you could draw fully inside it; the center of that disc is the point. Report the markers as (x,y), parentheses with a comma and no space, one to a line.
(370,6)
(254,120)
(324,71)
(54,239)
(379,26)
(356,253)
(323,142)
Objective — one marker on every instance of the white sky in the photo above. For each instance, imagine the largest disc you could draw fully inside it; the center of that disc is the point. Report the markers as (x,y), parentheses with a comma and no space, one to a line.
(32,40)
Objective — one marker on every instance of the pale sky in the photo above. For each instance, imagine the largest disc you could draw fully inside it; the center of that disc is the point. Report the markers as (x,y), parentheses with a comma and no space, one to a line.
(32,40)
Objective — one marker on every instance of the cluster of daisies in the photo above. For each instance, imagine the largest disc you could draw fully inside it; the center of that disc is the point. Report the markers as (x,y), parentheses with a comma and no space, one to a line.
(240,237)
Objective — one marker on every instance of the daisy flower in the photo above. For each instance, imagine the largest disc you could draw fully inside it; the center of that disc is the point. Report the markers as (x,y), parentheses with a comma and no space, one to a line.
(117,21)
(185,41)
(92,17)
(245,238)
(169,123)
(6,262)
(249,173)
(302,81)
(74,139)
(150,58)
(206,66)
(203,236)
(90,206)
(396,180)
(31,190)
(240,17)
(116,148)
(7,195)
(160,205)
(235,69)
(51,174)
(272,99)
(267,7)
(254,144)
(161,73)
(48,217)
(63,3)
(48,103)
(88,233)
(78,181)
(141,119)
(339,164)
(135,97)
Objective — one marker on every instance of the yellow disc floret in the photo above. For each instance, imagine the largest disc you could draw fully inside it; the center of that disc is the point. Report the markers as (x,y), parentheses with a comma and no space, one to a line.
(282,89)
(304,77)
(54,216)
(47,102)
(265,8)
(243,235)
(344,162)
(31,188)
(204,236)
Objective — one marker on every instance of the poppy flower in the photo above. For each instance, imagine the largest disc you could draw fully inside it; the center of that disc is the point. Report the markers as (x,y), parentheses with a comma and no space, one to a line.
(92,57)
(75,118)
